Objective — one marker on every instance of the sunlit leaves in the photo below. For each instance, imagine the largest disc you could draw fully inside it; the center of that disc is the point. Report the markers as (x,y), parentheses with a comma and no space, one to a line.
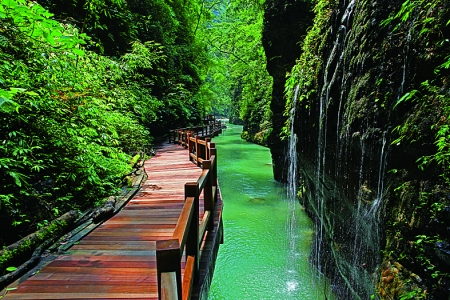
(144,55)
(36,23)
(11,269)
(239,63)
(69,116)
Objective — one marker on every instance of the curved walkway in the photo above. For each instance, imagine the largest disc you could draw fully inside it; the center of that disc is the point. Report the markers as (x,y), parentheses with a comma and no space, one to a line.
(118,259)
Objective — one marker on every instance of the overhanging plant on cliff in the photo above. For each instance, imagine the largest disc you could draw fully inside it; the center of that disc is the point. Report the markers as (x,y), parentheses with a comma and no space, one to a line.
(428,23)
(306,70)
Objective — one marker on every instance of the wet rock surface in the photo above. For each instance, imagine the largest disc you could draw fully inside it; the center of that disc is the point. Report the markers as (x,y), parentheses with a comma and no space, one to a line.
(360,144)
(285,25)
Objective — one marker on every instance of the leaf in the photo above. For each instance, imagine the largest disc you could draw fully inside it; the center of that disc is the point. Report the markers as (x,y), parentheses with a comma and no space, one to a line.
(7,105)
(49,38)
(17,90)
(11,269)
(16,178)
(406,97)
(446,65)
(78,52)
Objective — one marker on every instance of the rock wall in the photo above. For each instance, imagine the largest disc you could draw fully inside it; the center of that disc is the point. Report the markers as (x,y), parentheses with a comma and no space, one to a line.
(285,24)
(371,99)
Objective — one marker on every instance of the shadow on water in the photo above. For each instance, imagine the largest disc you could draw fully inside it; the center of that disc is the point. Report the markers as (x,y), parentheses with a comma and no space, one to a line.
(253,262)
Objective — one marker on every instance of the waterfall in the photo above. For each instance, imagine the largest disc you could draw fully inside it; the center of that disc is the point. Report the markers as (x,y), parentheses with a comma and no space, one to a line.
(343,163)
(405,57)
(292,282)
(338,51)
(292,150)
(380,187)
(356,219)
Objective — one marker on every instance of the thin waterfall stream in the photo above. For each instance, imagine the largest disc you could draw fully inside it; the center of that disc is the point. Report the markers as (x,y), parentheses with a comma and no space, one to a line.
(291,199)
(267,236)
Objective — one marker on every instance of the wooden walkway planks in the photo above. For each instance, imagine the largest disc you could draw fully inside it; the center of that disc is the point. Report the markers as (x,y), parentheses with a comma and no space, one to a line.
(117,260)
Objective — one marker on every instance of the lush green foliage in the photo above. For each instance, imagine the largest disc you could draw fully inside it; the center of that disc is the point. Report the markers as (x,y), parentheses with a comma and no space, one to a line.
(115,24)
(62,144)
(71,117)
(430,26)
(306,71)
(429,19)
(238,74)
(86,84)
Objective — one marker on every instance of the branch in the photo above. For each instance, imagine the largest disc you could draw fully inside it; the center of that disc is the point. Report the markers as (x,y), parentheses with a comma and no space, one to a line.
(232,53)
(219,48)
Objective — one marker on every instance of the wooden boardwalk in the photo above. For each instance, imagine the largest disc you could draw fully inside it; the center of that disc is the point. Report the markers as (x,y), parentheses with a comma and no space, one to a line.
(118,259)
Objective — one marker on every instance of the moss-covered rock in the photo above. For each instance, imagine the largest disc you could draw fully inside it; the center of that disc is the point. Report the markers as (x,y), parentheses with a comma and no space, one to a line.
(285,25)
(372,127)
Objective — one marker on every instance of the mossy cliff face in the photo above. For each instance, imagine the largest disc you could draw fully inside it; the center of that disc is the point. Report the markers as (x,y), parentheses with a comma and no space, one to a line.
(285,25)
(372,120)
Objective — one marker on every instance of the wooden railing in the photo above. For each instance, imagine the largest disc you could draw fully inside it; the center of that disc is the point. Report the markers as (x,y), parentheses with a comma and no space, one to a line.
(189,233)
(180,135)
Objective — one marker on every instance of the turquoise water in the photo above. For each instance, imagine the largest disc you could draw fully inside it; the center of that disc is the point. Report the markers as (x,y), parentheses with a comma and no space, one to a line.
(260,257)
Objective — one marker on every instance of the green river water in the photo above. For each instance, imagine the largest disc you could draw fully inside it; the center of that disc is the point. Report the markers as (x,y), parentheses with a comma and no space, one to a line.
(260,258)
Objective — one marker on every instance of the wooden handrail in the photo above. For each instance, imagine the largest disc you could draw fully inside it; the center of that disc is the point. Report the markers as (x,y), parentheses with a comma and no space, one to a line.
(180,135)
(184,222)
(188,233)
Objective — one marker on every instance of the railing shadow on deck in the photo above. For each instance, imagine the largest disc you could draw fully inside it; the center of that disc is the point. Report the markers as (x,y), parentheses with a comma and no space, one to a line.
(189,233)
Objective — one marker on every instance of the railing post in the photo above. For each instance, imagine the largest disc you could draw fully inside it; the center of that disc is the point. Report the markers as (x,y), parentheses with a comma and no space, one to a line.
(211,146)
(207,156)
(197,150)
(192,246)
(168,261)
(213,152)
(208,194)
(189,145)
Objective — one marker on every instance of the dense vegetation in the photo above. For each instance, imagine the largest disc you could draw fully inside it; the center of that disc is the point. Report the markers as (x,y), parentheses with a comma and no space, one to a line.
(87,84)
(84,85)
(419,245)
(238,75)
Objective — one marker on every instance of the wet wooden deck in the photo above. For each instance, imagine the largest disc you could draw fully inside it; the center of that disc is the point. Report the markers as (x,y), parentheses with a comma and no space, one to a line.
(118,259)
